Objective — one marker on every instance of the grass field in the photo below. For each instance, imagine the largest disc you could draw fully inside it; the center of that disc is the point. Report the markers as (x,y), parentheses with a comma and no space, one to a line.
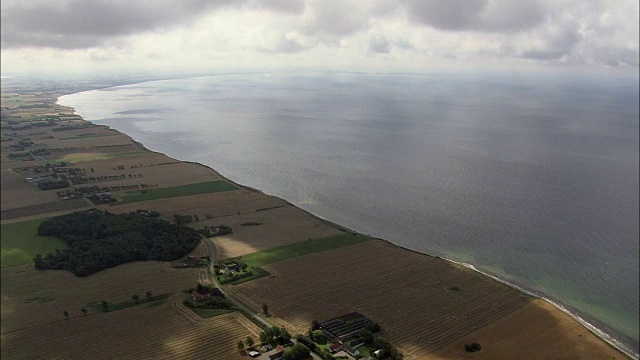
(307,247)
(176,191)
(20,242)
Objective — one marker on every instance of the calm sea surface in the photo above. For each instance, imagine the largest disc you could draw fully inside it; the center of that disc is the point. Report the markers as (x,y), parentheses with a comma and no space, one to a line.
(532,179)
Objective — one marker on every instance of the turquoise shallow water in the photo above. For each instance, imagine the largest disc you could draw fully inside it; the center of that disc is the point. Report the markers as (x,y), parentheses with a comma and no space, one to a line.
(531,179)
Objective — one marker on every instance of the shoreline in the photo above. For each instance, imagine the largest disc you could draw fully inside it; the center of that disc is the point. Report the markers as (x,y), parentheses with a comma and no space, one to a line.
(611,341)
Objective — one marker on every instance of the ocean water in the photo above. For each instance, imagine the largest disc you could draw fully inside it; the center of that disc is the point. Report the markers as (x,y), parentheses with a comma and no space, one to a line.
(530,178)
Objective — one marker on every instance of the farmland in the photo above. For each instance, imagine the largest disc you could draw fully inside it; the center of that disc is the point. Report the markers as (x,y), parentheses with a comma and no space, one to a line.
(510,337)
(279,226)
(159,332)
(302,248)
(421,302)
(176,191)
(20,242)
(32,297)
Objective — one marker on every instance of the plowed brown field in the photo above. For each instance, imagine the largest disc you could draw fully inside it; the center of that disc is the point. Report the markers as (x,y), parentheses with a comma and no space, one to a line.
(159,332)
(279,226)
(407,293)
(32,297)
(537,331)
(219,205)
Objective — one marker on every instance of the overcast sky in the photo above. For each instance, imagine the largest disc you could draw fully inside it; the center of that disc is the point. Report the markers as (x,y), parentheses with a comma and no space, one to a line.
(265,35)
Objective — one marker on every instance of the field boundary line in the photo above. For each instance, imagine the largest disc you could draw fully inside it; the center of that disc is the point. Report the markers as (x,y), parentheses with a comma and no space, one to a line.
(177,304)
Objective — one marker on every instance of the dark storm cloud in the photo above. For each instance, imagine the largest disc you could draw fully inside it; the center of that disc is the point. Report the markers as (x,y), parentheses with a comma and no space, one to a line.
(79,24)
(476,15)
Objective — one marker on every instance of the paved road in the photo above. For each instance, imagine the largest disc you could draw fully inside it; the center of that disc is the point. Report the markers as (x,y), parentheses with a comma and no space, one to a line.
(214,281)
(239,305)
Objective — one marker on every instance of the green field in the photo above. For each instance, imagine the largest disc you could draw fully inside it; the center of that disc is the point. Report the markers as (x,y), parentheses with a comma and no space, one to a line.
(307,247)
(176,191)
(20,242)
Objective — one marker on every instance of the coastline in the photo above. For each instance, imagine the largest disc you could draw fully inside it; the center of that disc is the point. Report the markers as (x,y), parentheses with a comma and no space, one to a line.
(594,330)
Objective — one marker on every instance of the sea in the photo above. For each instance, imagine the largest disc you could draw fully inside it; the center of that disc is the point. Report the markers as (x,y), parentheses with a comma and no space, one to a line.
(530,178)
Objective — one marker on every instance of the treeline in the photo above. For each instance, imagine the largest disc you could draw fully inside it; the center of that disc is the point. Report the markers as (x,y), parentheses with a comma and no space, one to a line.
(98,241)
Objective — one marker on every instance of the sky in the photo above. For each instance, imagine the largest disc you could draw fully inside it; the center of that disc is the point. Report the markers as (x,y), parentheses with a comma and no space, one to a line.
(67,36)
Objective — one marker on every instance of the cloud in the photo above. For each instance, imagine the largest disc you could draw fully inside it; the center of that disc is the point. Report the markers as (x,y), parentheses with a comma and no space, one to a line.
(286,44)
(554,42)
(74,24)
(214,34)
(281,6)
(332,19)
(476,15)
(379,45)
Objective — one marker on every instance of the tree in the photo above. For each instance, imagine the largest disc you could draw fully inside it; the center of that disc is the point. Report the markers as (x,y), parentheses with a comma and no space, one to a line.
(249,341)
(199,288)
(240,345)
(299,351)
(265,309)
(66,314)
(135,297)
(84,311)
(105,305)
(284,335)
(148,294)
(320,337)
(366,336)
(315,325)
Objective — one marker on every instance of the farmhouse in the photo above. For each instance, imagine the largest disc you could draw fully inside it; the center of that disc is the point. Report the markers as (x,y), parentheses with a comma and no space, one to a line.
(335,347)
(279,354)
(196,296)
(351,351)
(230,266)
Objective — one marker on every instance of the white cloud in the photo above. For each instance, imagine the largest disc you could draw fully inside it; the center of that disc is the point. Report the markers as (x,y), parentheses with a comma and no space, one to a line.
(381,34)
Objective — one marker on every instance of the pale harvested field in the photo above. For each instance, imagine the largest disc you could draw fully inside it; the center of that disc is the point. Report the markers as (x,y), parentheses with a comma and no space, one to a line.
(143,159)
(407,293)
(17,193)
(32,297)
(87,141)
(280,226)
(537,331)
(167,174)
(219,205)
(116,151)
(160,332)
